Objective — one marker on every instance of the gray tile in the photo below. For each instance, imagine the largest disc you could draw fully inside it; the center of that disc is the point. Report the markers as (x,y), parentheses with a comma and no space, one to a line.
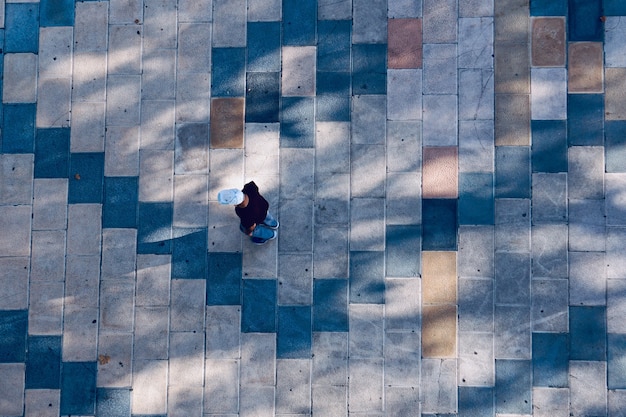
(295,279)
(88,127)
(512,278)
(588,390)
(615,305)
(124,52)
(585,177)
(404,146)
(82,276)
(615,200)
(551,402)
(153,280)
(257,401)
(438,385)
(123,100)
(440,120)
(440,69)
(403,304)
(330,359)
(617,403)
(53,102)
(48,261)
(332,147)
(512,20)
(262,149)
(476,309)
(91,26)
(512,225)
(365,392)
(548,93)
(222,332)
(193,91)
(121,146)
(293,386)
(404,94)
(183,400)
(476,146)
(475,42)
(550,305)
(440,24)
(80,334)
(332,198)
(151,333)
(14,288)
(42,402)
(50,203)
(195,11)
(367,224)
(404,9)
(298,70)
(20,72)
(549,250)
(12,377)
(476,94)
(616,258)
(149,395)
(191,149)
(296,229)
(330,257)
(158,81)
(330,400)
(549,197)
(186,357)
(229,163)
(116,306)
(221,386)
(587,225)
(55,51)
(368,119)
(115,369)
(366,330)
(15,230)
(229,23)
(297,166)
(89,76)
(369,21)
(402,401)
(45,313)
(159,24)
(84,229)
(190,201)
(402,244)
(512,332)
(119,259)
(403,199)
(258,359)
(402,359)
(476,247)
(587,278)
(476,359)
(367,170)
(264,10)
(188,298)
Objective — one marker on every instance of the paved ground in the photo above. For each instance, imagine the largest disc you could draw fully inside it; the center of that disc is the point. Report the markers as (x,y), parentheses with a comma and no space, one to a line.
(450,177)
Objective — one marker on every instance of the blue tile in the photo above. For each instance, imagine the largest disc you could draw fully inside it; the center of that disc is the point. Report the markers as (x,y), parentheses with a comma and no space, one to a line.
(332,108)
(330,305)
(512,172)
(189,253)
(333,45)
(262,97)
(333,83)
(616,365)
(13,332)
(263,46)
(403,245)
(228,74)
(18,128)
(550,359)
(585,119)
(293,339)
(21,23)
(121,199)
(439,224)
(224,279)
(86,180)
(367,277)
(57,12)
(587,327)
(513,387)
(476,198)
(52,153)
(548,7)
(614,8)
(154,228)
(476,402)
(549,149)
(258,312)
(615,145)
(299,21)
(297,127)
(369,69)
(78,388)
(113,402)
(43,362)
(584,23)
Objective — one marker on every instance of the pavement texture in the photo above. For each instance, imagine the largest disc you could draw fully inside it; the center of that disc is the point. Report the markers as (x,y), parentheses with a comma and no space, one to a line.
(450,178)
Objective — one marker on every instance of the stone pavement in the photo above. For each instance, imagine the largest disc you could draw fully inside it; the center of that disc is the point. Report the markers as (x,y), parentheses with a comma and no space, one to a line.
(450,177)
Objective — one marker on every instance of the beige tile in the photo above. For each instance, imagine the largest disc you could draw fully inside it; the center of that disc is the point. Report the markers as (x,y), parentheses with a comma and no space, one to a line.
(512,126)
(227,123)
(439,331)
(440,172)
(512,68)
(439,277)
(615,97)
(585,69)
(405,43)
(548,42)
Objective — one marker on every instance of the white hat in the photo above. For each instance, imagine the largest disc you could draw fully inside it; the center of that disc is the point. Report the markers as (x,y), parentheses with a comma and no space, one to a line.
(231,197)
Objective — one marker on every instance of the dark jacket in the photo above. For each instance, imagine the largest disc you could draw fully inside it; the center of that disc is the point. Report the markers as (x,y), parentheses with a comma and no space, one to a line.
(257,207)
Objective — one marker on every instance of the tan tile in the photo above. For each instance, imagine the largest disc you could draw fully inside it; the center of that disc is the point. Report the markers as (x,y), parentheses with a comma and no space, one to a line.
(439,331)
(511,20)
(226,123)
(615,97)
(512,126)
(512,68)
(404,43)
(585,69)
(439,277)
(440,172)
(548,41)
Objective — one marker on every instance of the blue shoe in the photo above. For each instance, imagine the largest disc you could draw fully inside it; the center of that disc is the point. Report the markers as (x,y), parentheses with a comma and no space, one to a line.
(261,235)
(270,221)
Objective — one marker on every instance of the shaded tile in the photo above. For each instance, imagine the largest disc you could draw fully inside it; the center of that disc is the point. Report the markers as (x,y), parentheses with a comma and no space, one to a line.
(476,202)
(438,387)
(224,279)
(18,128)
(404,146)
(588,388)
(228,72)
(403,200)
(476,402)
(297,128)
(295,278)
(614,8)
(402,359)
(440,21)
(402,401)
(121,199)
(512,172)
(615,210)
(615,97)
(154,228)
(405,43)
(293,335)
(263,46)
(476,249)
(439,277)
(14,288)
(12,386)
(78,388)
(548,42)
(366,330)
(587,333)
(258,312)
(548,7)
(43,362)
(52,153)
(614,146)
(587,222)
(330,305)
(584,23)
(585,116)
(512,278)
(512,68)
(21,78)
(551,402)
(549,197)
(550,305)
(440,172)
(585,177)
(616,361)
(549,93)
(476,145)
(332,9)
(299,22)
(112,402)
(369,72)
(440,69)
(512,123)
(16,181)
(368,119)
(298,71)
(439,331)
(365,393)
(262,97)
(227,123)
(13,331)
(402,304)
(404,98)
(189,253)
(617,399)
(21,23)
(476,360)
(439,220)
(56,13)
(333,45)
(549,250)
(86,178)
(403,244)
(549,146)
(440,120)
(330,258)
(475,48)
(367,171)
(585,67)
(476,98)
(333,83)
(513,386)
(367,277)
(512,332)
(295,236)
(332,108)
(550,359)
(512,21)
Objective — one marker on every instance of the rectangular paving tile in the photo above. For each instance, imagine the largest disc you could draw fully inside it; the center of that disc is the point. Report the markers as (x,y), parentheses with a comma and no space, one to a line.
(113,402)
(438,386)
(119,257)
(149,394)
(44,403)
(615,146)
(438,331)
(402,304)
(549,198)
(402,244)
(548,41)
(548,100)
(53,106)
(585,172)
(440,24)
(404,99)
(334,10)
(616,361)
(402,400)
(56,13)
(16,184)
(369,68)
(475,48)
(365,392)
(439,219)
(293,387)
(615,305)
(295,279)
(227,120)
(52,153)
(439,277)
(550,359)
(587,278)
(405,40)
(476,202)
(440,172)
(588,388)
(551,402)
(43,362)
(440,120)
(368,120)
(154,228)
(21,23)
(476,402)
(84,229)
(367,224)
(615,257)
(258,359)
(476,96)
(114,365)
(298,70)
(584,23)
(549,250)
(586,68)
(615,213)
(192,96)
(78,388)
(121,195)
(124,52)
(88,126)
(549,146)
(404,146)
(12,386)
(121,151)
(585,119)
(189,248)
(512,68)
(512,172)
(123,100)
(13,327)
(158,78)
(333,44)
(262,97)
(151,333)
(224,279)
(228,72)
(191,154)
(330,258)
(86,178)
(332,199)
(229,19)
(20,73)
(18,129)
(367,277)
(295,238)
(476,360)
(259,306)
(476,251)
(330,359)
(513,386)
(222,332)
(512,123)
(293,334)
(475,305)
(299,22)
(297,128)
(14,288)
(587,225)
(476,145)
(330,305)
(47,249)
(366,331)
(369,21)
(512,332)
(587,333)
(402,359)
(332,108)
(512,278)
(187,305)
(548,8)
(403,199)
(512,20)
(615,99)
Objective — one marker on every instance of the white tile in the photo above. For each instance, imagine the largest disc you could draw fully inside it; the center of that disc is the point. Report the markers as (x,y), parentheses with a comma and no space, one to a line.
(20,78)
(548,93)
(614,39)
(298,70)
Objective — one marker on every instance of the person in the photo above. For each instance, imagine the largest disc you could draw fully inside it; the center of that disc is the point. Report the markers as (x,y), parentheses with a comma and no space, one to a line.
(253,212)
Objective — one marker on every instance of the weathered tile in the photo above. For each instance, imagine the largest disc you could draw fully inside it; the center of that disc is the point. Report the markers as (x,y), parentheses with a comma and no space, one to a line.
(512,278)
(548,41)
(402,304)
(257,401)
(585,177)
(403,205)
(440,120)
(16,184)
(47,249)
(190,200)
(476,251)
(14,285)
(367,232)
(89,75)
(614,146)
(404,146)
(476,98)
(80,330)
(476,360)
(587,327)
(52,153)
(123,100)
(585,114)
(189,253)
(512,123)
(124,52)
(476,401)
(259,306)
(512,21)
(512,333)
(549,145)
(549,94)
(293,386)
(297,128)
(13,328)
(227,122)
(295,236)
(91,26)
(402,401)
(330,359)
(404,99)
(156,175)
(512,225)
(587,225)
(116,306)
(615,97)
(402,243)
(264,10)
(333,45)
(550,359)
(513,398)
(84,229)
(512,68)
(404,43)
(402,359)
(114,365)
(367,284)
(113,401)
(584,23)
(121,146)
(53,102)
(334,10)
(440,69)
(186,357)
(298,70)
(193,91)
(20,73)
(82,277)
(262,97)
(42,402)
(366,330)
(188,300)
(512,172)
(367,171)
(549,250)
(438,385)
(587,277)
(370,21)
(365,392)
(330,258)
(476,145)
(475,48)
(158,80)
(18,128)
(195,11)
(221,386)
(12,385)
(149,394)
(616,403)
(616,360)
(549,197)
(295,279)
(551,402)
(476,203)
(439,331)
(151,334)
(229,23)
(588,389)
(615,213)
(369,68)
(159,24)
(615,305)
(299,21)
(439,277)
(585,67)
(88,126)
(440,23)
(368,119)
(330,305)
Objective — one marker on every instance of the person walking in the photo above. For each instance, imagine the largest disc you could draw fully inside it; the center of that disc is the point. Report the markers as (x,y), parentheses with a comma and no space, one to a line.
(253,212)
